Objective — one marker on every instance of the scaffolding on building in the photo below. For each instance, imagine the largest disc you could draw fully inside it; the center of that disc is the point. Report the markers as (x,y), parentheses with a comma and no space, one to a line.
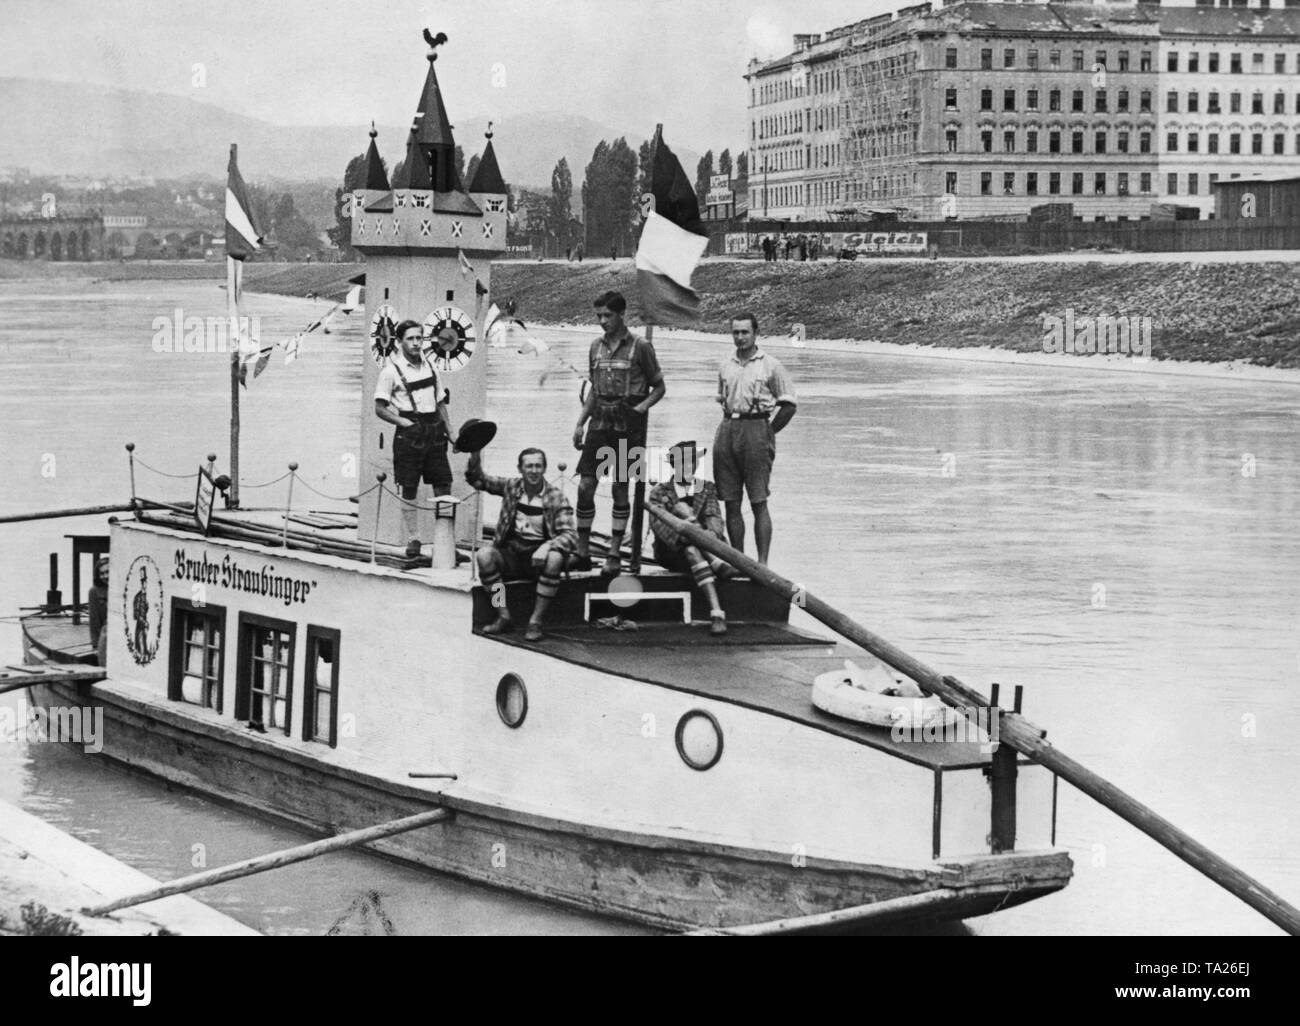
(881,117)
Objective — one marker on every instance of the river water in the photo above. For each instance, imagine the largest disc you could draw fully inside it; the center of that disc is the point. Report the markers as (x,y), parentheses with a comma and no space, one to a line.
(1123,545)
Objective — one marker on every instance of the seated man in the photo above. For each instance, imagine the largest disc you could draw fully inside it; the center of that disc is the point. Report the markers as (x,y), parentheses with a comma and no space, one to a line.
(534,538)
(695,502)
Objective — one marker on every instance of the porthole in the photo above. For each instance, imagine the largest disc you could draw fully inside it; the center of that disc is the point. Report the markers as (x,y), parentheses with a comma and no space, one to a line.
(699,739)
(512,700)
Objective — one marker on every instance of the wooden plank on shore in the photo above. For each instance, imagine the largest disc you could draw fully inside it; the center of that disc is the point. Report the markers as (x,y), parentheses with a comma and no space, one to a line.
(15,678)
(1015,730)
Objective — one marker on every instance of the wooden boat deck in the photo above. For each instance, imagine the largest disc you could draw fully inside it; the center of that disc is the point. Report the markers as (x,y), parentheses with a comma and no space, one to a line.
(765,666)
(59,639)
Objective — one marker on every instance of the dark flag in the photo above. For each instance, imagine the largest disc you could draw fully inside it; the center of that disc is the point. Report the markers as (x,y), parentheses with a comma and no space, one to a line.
(671,245)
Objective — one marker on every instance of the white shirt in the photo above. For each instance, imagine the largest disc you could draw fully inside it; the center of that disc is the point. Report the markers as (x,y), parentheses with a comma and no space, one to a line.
(390,389)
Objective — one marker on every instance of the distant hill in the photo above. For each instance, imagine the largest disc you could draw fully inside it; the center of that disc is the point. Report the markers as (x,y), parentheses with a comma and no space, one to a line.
(66,128)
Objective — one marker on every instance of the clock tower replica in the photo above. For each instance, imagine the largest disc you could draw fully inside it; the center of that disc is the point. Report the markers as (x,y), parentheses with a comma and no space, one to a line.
(428,245)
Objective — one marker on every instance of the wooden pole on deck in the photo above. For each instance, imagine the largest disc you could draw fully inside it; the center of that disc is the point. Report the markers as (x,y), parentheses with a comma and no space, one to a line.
(262,863)
(1015,730)
(54,514)
(233,275)
(638,490)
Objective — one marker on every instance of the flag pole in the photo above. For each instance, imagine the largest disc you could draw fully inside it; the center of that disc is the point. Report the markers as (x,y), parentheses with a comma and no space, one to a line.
(233,268)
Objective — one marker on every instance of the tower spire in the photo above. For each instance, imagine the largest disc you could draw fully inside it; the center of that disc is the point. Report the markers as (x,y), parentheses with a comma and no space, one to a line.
(487,178)
(433,127)
(376,176)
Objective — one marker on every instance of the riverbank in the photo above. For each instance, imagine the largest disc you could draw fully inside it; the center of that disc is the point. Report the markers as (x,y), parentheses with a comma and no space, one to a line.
(47,877)
(1239,314)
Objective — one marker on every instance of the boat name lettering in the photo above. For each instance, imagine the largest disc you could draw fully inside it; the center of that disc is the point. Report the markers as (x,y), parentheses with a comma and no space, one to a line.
(229,574)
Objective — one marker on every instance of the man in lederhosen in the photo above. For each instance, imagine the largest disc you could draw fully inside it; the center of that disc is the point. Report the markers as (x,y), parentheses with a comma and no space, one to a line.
(625,383)
(407,396)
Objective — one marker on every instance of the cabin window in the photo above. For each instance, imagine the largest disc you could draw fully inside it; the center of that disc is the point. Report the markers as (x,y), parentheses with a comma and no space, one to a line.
(320,716)
(264,682)
(197,654)
(699,739)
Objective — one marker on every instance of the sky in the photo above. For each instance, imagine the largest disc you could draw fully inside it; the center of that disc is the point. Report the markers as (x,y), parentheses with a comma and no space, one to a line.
(628,64)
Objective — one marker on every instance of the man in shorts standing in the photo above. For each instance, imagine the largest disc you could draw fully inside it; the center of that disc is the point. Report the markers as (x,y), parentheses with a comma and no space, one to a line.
(758,400)
(625,383)
(407,396)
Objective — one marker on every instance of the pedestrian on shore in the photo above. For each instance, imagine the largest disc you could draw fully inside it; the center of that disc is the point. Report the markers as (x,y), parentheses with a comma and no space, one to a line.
(758,400)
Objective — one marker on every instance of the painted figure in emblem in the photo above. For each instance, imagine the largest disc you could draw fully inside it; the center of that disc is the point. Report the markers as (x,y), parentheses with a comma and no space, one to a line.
(140,613)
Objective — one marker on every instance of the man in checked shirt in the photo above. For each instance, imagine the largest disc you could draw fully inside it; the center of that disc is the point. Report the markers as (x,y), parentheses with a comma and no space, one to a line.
(758,400)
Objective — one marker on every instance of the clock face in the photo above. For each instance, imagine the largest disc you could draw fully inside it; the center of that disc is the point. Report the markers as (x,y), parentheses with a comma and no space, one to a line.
(383,333)
(451,330)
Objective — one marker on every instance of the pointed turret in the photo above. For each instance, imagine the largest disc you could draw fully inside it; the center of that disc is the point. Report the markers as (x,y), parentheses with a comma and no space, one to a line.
(487,179)
(376,176)
(414,172)
(433,134)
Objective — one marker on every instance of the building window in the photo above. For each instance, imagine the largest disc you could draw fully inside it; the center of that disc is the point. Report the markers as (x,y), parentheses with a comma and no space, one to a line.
(1257,103)
(951,136)
(264,679)
(950,99)
(1193,184)
(1297,103)
(197,654)
(1054,100)
(1144,183)
(1121,142)
(1008,183)
(320,717)
(1257,143)
(1212,102)
(950,57)
(1173,61)
(1008,99)
(986,141)
(1123,60)
(986,183)
(1144,61)
(1009,141)
(1171,102)
(1121,183)
(1054,58)
(1279,103)
(1234,64)
(1054,142)
(1279,143)
(1099,183)
(986,59)
(1257,63)
(1076,100)
(1033,60)
(1171,185)
(1076,183)
(1121,104)
(1077,60)
(1193,103)
(1214,62)
(1171,142)
(1144,142)
(1234,142)
(1031,141)
(986,99)
(950,182)
(1279,64)
(1193,61)
(1054,183)
(1144,102)
(1099,101)
(1101,57)
(1031,183)
(1212,142)
(1008,58)
(1193,142)
(1076,142)
(1099,143)
(1031,99)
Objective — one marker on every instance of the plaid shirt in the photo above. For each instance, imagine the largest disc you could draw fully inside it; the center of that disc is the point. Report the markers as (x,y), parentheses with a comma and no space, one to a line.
(704,506)
(557,515)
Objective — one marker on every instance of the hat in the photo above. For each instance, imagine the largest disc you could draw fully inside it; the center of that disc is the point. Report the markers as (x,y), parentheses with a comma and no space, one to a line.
(682,446)
(474,435)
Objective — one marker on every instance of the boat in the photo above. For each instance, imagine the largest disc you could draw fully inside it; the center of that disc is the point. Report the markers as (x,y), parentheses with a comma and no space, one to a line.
(305,668)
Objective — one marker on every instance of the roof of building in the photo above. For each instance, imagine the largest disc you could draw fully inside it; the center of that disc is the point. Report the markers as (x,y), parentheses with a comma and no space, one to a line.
(414,172)
(487,177)
(376,176)
(1255,179)
(432,126)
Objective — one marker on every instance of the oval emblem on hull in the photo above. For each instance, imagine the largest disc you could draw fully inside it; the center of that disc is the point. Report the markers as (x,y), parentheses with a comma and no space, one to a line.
(142,609)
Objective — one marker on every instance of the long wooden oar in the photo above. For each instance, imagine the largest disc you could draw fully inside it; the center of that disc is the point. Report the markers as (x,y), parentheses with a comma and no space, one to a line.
(53,514)
(274,860)
(1016,731)
(875,914)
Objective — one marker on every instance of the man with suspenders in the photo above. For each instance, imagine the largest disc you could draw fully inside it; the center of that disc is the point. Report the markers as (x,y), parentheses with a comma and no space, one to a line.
(407,396)
(625,383)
